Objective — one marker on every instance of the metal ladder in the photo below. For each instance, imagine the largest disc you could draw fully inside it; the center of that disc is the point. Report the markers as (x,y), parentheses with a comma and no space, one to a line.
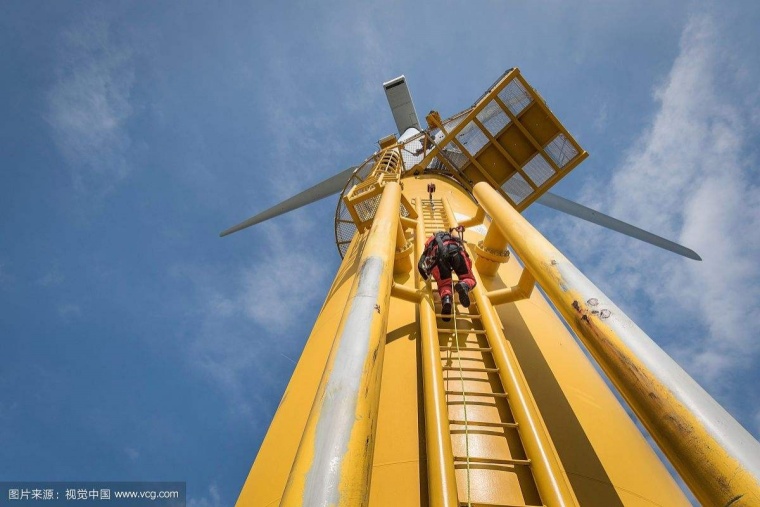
(497,471)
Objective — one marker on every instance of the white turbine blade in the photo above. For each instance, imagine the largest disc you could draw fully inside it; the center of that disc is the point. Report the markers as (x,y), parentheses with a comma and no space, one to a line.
(402,107)
(578,210)
(328,187)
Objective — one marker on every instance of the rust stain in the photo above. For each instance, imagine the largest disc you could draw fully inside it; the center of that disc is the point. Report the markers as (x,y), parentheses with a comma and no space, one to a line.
(734,500)
(670,418)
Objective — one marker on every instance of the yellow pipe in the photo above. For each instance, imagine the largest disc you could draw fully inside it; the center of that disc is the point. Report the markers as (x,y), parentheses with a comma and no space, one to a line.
(408,222)
(333,464)
(400,236)
(552,482)
(494,241)
(717,458)
(449,213)
(403,292)
(442,486)
(522,290)
(474,220)
(403,261)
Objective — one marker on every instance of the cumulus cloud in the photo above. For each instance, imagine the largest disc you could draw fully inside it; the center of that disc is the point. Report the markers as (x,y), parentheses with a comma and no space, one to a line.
(248,319)
(88,105)
(689,177)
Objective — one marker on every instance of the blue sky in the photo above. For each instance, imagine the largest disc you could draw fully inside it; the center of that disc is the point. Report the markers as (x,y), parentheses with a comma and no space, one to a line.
(138,345)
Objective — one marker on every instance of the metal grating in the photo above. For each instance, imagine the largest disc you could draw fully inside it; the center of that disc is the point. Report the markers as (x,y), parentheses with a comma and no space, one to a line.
(509,102)
(561,150)
(517,188)
(345,228)
(366,209)
(454,156)
(414,151)
(493,118)
(515,96)
(538,169)
(451,123)
(472,138)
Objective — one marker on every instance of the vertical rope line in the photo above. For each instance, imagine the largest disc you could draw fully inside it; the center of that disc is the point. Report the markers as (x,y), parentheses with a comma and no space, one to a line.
(464,401)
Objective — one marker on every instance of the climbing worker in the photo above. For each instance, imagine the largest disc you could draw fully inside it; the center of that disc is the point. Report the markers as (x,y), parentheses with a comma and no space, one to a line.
(444,252)
(431,191)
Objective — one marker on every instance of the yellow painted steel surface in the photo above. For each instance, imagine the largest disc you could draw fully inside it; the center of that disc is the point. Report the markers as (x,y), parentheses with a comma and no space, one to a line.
(334,459)
(266,480)
(712,473)
(605,458)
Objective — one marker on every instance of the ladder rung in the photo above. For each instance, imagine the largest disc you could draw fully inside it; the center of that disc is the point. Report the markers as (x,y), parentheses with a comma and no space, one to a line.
(460,331)
(465,343)
(464,503)
(472,393)
(462,316)
(484,423)
(470,369)
(467,349)
(494,461)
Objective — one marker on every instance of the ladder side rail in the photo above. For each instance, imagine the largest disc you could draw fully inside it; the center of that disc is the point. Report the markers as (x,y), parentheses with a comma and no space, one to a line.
(551,480)
(442,486)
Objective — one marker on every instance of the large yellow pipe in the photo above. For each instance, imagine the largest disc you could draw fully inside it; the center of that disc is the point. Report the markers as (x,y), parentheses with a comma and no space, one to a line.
(442,486)
(334,459)
(717,458)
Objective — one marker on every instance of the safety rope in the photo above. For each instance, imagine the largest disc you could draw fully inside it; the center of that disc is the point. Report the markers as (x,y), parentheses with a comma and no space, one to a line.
(464,401)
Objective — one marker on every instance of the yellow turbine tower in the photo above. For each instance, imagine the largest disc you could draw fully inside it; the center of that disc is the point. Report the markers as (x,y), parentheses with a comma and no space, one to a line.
(391,406)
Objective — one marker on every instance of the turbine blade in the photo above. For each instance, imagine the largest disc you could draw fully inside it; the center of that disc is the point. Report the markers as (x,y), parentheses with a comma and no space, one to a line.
(402,107)
(578,210)
(326,188)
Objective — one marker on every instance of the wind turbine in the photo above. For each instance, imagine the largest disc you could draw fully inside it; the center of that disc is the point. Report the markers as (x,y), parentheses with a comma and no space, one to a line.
(388,405)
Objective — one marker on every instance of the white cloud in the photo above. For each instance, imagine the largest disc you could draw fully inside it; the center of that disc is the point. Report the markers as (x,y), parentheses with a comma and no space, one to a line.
(68,311)
(275,291)
(250,321)
(52,277)
(89,104)
(213,499)
(132,453)
(688,177)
